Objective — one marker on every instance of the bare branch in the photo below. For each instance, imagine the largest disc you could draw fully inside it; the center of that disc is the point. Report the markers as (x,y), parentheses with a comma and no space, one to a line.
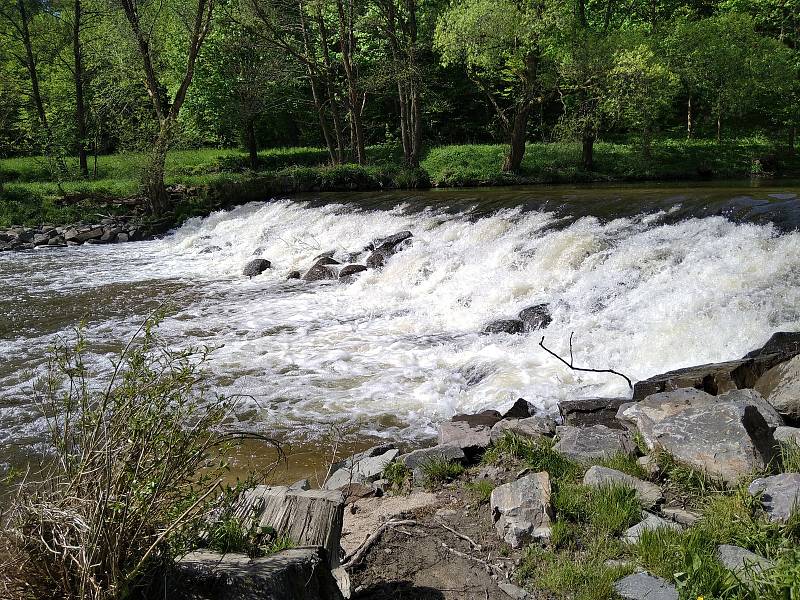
(571,363)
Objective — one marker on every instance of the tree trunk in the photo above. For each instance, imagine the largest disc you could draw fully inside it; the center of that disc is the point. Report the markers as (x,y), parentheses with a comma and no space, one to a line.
(416,127)
(719,127)
(354,96)
(587,151)
(518,137)
(80,108)
(792,140)
(153,176)
(30,63)
(689,118)
(252,144)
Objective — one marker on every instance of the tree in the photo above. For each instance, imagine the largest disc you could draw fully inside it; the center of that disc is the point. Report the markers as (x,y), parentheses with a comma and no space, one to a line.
(499,44)
(149,24)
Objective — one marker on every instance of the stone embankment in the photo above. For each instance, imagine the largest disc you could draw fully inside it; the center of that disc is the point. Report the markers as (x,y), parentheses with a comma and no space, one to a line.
(109,230)
(377,532)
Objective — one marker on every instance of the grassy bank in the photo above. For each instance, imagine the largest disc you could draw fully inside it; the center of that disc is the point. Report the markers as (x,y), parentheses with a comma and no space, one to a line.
(31,196)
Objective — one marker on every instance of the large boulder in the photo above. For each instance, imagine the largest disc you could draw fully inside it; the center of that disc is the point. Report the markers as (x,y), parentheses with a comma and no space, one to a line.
(350,270)
(532,427)
(470,438)
(322,269)
(293,574)
(591,411)
(779,494)
(782,344)
(648,494)
(725,439)
(535,317)
(510,326)
(780,386)
(361,468)
(521,510)
(416,460)
(521,409)
(256,267)
(643,586)
(83,235)
(589,444)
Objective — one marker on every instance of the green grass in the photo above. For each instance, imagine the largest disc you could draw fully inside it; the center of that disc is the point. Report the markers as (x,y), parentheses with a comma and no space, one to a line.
(790,457)
(624,463)
(397,474)
(438,470)
(536,454)
(480,490)
(689,483)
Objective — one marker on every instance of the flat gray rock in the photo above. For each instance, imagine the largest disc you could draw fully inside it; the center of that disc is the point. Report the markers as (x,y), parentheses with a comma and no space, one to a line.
(468,437)
(416,459)
(780,386)
(650,523)
(727,440)
(787,434)
(589,444)
(643,586)
(591,411)
(739,560)
(360,469)
(686,518)
(531,427)
(780,495)
(521,510)
(649,494)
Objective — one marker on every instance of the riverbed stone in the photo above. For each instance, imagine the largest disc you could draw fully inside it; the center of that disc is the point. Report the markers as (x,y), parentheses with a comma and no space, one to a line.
(362,470)
(535,317)
(40,239)
(486,417)
(742,561)
(510,326)
(293,275)
(589,444)
(780,386)
(350,270)
(390,241)
(122,237)
(532,427)
(583,412)
(779,495)
(416,459)
(322,269)
(727,440)
(649,494)
(471,439)
(57,240)
(293,574)
(650,523)
(256,267)
(643,586)
(521,409)
(521,510)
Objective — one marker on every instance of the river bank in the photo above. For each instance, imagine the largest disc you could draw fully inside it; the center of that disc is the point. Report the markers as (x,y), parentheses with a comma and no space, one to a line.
(206,180)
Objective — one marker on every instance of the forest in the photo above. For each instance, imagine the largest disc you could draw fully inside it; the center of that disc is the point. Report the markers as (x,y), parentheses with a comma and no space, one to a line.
(86,78)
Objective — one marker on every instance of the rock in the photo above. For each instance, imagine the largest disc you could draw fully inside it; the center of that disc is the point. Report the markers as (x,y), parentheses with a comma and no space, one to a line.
(650,523)
(745,397)
(532,427)
(389,241)
(302,484)
(376,260)
(648,494)
(293,574)
(593,443)
(510,326)
(109,234)
(725,439)
(381,486)
(350,270)
(785,344)
(643,586)
(742,561)
(650,465)
(780,386)
(681,516)
(522,409)
(535,317)
(210,250)
(256,267)
(307,517)
(416,459)
(471,439)
(591,411)
(293,275)
(326,254)
(40,239)
(787,434)
(779,494)
(122,237)
(521,510)
(512,591)
(57,240)
(321,270)
(361,468)
(486,417)
(83,235)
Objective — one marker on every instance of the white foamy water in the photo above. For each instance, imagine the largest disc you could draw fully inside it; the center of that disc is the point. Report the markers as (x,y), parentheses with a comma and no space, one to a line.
(400,348)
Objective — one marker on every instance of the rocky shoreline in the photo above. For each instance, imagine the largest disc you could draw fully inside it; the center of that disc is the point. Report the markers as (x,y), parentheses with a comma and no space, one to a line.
(110,230)
(470,514)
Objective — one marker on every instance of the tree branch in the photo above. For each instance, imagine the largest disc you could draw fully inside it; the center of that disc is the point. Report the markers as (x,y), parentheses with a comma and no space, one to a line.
(572,366)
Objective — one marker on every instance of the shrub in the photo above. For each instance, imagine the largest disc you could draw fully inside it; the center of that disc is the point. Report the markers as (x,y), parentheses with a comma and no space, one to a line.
(397,474)
(228,535)
(439,470)
(137,461)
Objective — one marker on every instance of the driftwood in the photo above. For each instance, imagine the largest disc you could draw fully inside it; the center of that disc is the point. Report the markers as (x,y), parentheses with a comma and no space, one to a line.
(572,366)
(308,517)
(358,555)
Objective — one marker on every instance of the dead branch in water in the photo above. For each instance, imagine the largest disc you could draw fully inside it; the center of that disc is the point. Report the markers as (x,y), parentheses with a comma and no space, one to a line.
(572,366)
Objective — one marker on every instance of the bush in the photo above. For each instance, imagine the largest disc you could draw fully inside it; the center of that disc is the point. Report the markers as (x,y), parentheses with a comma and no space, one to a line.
(137,461)
(439,470)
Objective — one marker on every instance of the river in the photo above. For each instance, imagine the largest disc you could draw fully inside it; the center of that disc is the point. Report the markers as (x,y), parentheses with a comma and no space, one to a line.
(649,278)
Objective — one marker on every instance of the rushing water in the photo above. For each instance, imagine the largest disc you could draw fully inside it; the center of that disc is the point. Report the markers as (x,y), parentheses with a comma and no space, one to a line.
(649,279)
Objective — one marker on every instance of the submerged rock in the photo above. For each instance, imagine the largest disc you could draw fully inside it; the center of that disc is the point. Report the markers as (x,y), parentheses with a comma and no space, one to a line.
(521,510)
(321,270)
(510,326)
(350,270)
(588,444)
(385,248)
(256,267)
(643,586)
(779,495)
(535,317)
